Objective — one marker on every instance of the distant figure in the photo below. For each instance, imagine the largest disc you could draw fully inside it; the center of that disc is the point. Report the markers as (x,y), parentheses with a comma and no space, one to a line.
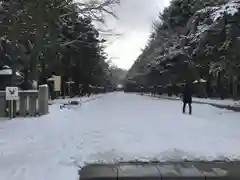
(187,97)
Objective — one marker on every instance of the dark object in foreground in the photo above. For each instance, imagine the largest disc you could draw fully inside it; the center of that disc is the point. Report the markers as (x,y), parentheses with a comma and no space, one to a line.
(74,103)
(165,170)
(69,104)
(187,97)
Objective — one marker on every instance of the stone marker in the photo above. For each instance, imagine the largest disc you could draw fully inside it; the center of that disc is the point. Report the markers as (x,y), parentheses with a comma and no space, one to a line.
(96,172)
(2,106)
(32,105)
(23,106)
(130,171)
(163,170)
(189,171)
(43,99)
(168,171)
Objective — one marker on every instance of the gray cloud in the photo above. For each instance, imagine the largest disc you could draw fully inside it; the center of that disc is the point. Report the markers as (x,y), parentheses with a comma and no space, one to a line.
(135,22)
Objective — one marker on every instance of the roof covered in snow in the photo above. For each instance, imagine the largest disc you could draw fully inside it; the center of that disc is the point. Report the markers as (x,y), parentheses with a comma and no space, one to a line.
(200,81)
(8,72)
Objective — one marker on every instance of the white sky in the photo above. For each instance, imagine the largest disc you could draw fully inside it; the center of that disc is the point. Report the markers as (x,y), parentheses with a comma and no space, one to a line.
(135,24)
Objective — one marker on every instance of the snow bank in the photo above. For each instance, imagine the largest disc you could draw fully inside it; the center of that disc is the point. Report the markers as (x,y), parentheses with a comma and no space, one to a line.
(9,72)
(43,85)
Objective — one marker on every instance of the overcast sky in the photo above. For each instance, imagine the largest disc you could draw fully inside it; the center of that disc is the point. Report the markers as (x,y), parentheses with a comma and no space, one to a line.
(134,23)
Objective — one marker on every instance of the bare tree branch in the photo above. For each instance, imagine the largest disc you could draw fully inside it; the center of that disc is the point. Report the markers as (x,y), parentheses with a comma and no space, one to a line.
(96,10)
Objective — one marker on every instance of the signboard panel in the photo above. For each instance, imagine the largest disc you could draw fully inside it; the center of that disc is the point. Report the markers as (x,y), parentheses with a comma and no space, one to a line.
(57,83)
(12,93)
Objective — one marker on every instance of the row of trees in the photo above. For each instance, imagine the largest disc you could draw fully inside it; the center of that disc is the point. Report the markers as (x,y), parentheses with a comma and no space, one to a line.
(192,40)
(42,38)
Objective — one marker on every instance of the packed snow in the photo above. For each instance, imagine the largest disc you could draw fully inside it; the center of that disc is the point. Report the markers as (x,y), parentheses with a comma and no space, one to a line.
(114,127)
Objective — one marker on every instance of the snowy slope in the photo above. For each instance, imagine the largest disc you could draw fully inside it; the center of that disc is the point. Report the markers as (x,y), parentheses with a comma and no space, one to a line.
(116,126)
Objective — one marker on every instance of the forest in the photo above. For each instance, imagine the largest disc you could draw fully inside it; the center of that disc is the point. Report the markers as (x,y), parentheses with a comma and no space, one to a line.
(41,38)
(192,40)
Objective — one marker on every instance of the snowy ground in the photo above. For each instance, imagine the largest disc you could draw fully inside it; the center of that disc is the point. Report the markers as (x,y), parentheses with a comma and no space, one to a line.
(116,126)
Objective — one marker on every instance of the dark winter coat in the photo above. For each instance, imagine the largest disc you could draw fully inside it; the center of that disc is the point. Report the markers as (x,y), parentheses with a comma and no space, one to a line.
(187,94)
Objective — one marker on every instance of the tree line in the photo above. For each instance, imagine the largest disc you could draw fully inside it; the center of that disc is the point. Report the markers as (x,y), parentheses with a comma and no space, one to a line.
(42,38)
(192,40)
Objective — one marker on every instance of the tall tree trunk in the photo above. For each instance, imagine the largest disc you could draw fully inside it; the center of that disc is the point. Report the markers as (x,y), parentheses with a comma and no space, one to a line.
(234,86)
(14,62)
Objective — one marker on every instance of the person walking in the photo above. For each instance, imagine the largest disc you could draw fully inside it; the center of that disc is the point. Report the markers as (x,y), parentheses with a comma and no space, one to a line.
(187,97)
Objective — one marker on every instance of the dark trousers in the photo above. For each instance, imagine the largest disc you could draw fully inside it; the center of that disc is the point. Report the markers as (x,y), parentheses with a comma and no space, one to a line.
(189,105)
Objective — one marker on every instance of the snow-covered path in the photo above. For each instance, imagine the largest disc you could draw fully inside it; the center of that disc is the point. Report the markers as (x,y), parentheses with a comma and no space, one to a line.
(116,126)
